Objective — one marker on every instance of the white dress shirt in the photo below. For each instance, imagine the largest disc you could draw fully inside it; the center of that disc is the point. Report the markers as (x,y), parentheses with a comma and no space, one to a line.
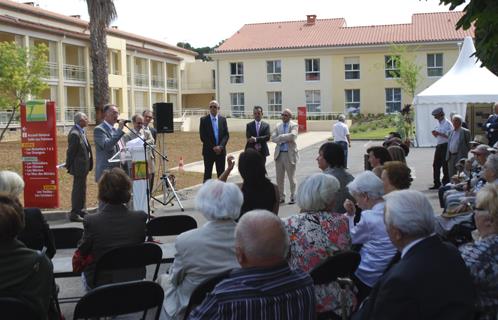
(444,126)
(340,131)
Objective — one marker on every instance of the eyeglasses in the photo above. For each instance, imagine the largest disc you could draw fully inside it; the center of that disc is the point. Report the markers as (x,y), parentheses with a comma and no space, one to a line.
(210,107)
(285,115)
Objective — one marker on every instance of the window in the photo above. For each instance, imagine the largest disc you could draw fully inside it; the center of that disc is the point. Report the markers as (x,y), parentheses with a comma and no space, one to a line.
(312,69)
(236,72)
(313,103)
(393,100)
(237,102)
(351,68)
(392,66)
(434,64)
(274,71)
(352,101)
(274,102)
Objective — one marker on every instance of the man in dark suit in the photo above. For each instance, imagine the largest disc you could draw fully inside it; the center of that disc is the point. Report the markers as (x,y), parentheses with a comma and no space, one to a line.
(79,161)
(431,280)
(258,133)
(491,126)
(213,131)
(107,140)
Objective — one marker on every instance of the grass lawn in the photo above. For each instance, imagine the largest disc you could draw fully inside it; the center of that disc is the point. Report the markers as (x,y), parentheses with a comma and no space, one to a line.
(377,134)
(179,144)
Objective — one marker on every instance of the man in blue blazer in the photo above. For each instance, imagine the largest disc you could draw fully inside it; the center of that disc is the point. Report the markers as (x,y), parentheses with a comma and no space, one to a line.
(258,133)
(107,140)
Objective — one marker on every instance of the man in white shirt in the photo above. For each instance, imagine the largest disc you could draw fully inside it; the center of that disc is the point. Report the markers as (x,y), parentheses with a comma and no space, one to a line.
(340,132)
(441,133)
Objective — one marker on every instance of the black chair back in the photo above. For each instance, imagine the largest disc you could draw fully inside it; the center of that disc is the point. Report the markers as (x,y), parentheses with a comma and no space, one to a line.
(13,309)
(170,225)
(340,265)
(202,290)
(67,238)
(120,298)
(130,257)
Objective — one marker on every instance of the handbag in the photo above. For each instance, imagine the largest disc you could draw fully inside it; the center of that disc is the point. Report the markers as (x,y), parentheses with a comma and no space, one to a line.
(80,262)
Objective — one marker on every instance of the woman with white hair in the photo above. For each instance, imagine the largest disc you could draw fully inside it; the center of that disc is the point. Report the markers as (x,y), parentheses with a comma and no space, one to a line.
(316,233)
(204,252)
(377,249)
(480,256)
(36,233)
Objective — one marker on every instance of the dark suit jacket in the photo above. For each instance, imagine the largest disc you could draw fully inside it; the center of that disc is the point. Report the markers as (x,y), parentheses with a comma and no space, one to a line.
(79,158)
(429,282)
(261,139)
(207,135)
(114,226)
(36,233)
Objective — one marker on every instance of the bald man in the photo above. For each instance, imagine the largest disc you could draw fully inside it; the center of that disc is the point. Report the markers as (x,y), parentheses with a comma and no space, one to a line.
(265,286)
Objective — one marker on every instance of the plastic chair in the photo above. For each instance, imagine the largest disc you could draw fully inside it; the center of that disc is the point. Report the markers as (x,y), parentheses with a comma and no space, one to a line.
(13,309)
(129,257)
(202,290)
(339,267)
(170,225)
(120,298)
(67,238)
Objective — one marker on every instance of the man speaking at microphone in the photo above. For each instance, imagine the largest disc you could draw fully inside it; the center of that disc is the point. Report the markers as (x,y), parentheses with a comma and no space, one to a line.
(108,140)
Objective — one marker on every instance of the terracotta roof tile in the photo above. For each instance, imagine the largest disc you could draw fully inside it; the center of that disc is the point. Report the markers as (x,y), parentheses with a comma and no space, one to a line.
(425,27)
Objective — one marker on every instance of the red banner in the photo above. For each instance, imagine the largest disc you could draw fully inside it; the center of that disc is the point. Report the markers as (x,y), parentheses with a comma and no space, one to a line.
(301,119)
(39,154)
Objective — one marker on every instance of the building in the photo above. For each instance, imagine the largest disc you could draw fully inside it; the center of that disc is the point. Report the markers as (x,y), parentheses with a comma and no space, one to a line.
(328,67)
(142,71)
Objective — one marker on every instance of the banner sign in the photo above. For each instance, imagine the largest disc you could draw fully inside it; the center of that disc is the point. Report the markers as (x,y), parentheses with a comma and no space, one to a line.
(39,154)
(301,119)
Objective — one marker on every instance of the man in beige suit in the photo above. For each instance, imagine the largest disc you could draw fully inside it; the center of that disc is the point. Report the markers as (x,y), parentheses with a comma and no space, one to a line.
(286,155)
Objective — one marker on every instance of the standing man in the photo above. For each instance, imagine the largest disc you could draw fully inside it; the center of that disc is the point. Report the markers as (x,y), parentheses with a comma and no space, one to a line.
(79,161)
(286,155)
(458,144)
(441,133)
(340,132)
(213,131)
(107,140)
(138,129)
(148,119)
(258,133)
(491,127)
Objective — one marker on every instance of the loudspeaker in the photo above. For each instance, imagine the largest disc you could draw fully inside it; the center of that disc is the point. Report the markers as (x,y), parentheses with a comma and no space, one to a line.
(163,112)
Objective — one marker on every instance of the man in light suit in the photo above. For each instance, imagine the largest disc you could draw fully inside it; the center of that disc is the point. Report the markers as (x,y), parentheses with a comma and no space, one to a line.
(286,155)
(79,161)
(258,133)
(107,140)
(458,144)
(430,281)
(138,129)
(213,131)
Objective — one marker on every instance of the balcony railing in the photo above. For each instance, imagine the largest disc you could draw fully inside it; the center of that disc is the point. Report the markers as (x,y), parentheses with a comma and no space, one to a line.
(71,111)
(172,83)
(5,116)
(141,80)
(157,82)
(52,70)
(74,72)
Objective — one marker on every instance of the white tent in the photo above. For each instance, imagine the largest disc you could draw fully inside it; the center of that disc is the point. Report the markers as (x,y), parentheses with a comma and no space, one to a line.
(466,82)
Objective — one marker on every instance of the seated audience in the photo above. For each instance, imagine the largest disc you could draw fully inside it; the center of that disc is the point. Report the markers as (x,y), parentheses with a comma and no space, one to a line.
(114,225)
(265,287)
(430,281)
(331,161)
(259,192)
(36,233)
(377,250)
(481,256)
(397,153)
(24,273)
(377,155)
(394,139)
(204,252)
(318,232)
(396,176)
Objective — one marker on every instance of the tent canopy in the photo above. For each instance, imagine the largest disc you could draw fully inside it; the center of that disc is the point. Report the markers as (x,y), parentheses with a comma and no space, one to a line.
(466,82)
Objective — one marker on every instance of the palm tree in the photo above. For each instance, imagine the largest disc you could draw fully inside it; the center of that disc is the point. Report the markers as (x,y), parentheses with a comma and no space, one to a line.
(101,13)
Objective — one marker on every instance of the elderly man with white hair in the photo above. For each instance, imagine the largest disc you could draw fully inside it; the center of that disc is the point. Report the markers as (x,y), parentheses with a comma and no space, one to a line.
(340,132)
(458,144)
(430,281)
(377,250)
(204,252)
(265,287)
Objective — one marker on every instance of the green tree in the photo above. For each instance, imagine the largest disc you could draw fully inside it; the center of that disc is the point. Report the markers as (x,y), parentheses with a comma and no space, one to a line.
(408,75)
(21,75)
(201,52)
(483,14)
(101,13)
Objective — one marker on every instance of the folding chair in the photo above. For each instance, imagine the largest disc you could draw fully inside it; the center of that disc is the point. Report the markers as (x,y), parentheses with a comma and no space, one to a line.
(339,267)
(129,257)
(13,309)
(67,238)
(202,290)
(120,298)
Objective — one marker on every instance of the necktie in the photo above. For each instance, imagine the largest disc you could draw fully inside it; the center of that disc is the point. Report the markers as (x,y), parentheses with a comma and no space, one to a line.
(215,130)
(257,129)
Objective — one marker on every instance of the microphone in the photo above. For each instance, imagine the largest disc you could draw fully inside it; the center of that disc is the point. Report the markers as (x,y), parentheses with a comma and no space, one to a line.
(124,121)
